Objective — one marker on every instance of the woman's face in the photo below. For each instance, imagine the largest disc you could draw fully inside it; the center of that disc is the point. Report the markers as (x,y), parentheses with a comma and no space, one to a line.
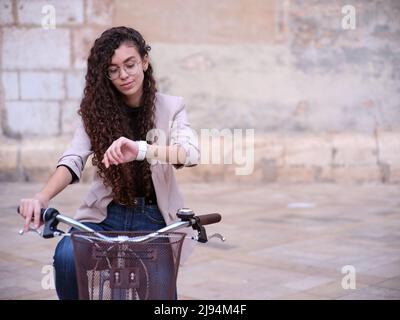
(126,71)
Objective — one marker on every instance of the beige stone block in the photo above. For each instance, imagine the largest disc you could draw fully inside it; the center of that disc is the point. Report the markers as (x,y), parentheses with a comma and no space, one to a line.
(6,16)
(389,148)
(215,75)
(8,159)
(267,169)
(102,12)
(307,150)
(359,174)
(260,167)
(296,174)
(227,148)
(10,85)
(215,172)
(69,117)
(50,48)
(269,147)
(23,118)
(354,149)
(66,12)
(82,42)
(268,157)
(39,157)
(324,174)
(394,174)
(75,84)
(227,22)
(42,85)
(256,175)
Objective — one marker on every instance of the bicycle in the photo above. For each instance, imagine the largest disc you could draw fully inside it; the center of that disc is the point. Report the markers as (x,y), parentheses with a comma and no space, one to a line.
(126,265)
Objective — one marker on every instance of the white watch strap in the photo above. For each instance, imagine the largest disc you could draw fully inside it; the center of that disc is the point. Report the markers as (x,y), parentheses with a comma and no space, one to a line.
(142,145)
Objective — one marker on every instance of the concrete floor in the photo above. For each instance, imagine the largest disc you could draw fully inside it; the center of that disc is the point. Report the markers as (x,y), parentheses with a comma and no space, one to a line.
(283,242)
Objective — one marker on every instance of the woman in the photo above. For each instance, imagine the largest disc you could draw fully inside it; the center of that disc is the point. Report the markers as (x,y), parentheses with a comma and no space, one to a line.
(134,187)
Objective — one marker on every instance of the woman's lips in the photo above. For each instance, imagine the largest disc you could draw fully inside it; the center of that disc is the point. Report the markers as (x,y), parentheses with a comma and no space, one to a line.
(128,85)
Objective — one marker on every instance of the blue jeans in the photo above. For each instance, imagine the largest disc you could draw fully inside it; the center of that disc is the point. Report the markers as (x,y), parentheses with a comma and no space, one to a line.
(141,217)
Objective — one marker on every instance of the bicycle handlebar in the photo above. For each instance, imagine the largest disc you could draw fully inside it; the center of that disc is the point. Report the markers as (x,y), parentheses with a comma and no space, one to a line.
(51,217)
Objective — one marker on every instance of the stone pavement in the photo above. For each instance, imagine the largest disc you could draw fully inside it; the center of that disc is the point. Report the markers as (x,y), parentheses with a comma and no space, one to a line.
(284,241)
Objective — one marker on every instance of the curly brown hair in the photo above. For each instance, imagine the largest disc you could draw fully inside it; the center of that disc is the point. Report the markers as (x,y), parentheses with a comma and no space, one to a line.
(103,117)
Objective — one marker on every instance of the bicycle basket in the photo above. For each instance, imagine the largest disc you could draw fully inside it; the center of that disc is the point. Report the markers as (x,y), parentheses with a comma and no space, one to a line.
(125,270)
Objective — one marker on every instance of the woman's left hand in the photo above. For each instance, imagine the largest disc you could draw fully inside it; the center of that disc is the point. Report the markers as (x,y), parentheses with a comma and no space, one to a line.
(121,150)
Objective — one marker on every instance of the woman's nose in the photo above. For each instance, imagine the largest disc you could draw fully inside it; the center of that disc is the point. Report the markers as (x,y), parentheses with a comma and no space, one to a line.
(123,74)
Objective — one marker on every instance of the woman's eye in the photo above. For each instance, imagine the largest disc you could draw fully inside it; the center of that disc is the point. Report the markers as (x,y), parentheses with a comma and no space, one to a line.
(113,71)
(130,65)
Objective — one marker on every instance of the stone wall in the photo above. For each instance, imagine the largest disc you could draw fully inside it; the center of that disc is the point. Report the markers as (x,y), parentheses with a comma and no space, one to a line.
(324,101)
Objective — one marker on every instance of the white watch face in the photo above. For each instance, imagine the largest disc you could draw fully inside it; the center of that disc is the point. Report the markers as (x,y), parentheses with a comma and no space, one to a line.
(142,146)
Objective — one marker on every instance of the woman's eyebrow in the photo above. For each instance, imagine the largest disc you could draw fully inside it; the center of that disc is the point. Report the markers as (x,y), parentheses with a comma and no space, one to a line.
(126,60)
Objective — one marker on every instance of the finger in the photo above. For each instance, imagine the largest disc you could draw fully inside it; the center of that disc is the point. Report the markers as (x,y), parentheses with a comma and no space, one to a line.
(26,208)
(108,156)
(30,209)
(119,150)
(115,155)
(22,208)
(28,217)
(106,163)
(36,210)
(111,158)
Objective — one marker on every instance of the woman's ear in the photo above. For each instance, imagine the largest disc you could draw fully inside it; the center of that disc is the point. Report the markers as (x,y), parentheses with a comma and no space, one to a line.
(145,62)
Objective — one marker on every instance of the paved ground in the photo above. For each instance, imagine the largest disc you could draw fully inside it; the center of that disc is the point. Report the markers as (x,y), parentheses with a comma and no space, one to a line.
(283,242)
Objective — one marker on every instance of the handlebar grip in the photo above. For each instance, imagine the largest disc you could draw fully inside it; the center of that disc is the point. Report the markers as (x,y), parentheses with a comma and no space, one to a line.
(209,218)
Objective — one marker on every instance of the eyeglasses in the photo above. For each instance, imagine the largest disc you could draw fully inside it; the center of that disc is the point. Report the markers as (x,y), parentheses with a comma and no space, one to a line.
(130,68)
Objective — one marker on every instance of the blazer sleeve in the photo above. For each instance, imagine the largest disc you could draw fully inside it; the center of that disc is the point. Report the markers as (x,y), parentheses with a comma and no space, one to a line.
(183,135)
(77,153)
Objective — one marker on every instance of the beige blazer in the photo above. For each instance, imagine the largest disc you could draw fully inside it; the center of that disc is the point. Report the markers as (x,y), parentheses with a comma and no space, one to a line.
(171,119)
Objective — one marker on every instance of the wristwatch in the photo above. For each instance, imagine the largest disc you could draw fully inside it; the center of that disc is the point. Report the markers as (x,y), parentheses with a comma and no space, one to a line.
(142,145)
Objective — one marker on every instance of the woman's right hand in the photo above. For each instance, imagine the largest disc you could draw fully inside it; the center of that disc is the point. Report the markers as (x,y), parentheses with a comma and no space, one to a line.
(120,151)
(29,209)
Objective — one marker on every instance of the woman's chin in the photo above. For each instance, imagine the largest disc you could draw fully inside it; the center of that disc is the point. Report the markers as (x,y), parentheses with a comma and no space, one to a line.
(128,92)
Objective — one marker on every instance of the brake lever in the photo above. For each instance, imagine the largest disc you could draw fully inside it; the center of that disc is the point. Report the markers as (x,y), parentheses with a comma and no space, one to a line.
(218,236)
(39,232)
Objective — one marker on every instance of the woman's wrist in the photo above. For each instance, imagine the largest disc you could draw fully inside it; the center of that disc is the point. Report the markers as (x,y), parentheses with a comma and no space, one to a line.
(142,150)
(42,198)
